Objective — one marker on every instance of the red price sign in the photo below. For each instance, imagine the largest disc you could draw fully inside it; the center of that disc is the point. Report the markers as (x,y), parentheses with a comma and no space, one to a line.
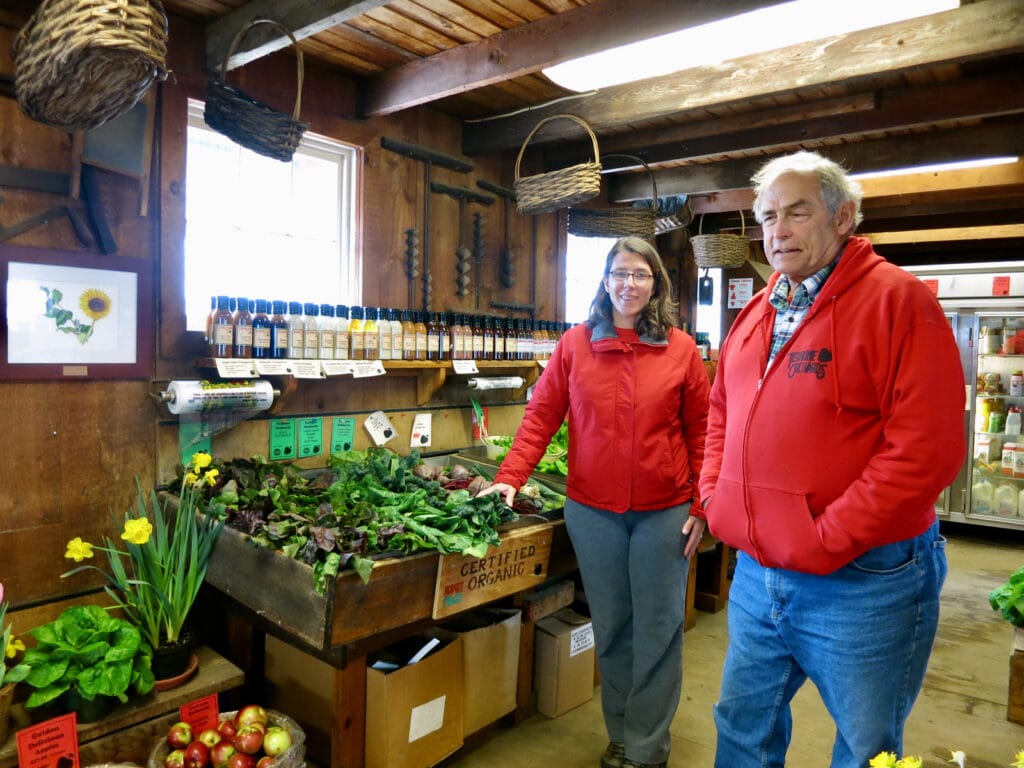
(932,285)
(1001,285)
(50,744)
(202,714)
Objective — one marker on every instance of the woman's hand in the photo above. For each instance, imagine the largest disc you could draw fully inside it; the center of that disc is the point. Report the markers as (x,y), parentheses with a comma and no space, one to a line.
(693,529)
(504,489)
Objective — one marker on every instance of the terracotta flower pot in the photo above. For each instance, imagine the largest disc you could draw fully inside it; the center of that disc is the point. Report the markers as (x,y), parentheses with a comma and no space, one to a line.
(6,701)
(172,659)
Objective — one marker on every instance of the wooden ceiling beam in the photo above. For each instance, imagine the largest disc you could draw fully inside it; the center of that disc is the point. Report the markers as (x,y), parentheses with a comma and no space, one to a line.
(528,48)
(995,138)
(977,31)
(302,17)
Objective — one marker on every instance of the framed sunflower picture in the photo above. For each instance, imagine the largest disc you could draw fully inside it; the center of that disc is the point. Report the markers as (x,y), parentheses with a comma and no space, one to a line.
(72,315)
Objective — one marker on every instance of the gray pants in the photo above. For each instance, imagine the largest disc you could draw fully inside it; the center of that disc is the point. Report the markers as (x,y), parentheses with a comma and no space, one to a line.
(634,574)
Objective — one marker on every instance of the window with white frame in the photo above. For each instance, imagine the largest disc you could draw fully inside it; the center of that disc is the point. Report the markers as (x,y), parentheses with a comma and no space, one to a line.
(262,228)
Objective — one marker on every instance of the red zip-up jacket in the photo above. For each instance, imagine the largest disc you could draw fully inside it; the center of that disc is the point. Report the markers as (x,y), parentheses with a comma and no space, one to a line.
(637,417)
(845,443)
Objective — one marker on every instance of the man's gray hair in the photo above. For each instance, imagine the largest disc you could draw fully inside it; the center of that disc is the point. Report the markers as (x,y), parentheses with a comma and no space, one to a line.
(836,185)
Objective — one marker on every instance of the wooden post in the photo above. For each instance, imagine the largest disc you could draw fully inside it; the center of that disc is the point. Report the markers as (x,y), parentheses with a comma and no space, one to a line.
(1015,697)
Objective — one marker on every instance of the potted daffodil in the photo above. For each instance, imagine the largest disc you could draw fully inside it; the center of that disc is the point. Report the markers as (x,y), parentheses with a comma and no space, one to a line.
(11,671)
(156,578)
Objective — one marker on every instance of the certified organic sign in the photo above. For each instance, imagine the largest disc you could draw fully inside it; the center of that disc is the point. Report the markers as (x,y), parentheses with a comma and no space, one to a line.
(519,562)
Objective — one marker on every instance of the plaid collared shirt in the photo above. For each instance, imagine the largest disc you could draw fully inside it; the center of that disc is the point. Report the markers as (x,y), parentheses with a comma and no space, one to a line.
(790,313)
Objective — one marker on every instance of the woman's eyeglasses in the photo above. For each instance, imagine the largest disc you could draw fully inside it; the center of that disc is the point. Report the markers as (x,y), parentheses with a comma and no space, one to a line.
(621,276)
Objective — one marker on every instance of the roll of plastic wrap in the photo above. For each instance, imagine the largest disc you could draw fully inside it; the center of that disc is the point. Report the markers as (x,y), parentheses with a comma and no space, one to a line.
(206,396)
(497,382)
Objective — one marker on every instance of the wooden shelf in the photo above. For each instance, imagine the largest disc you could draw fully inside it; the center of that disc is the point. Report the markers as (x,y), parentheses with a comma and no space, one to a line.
(430,375)
(132,730)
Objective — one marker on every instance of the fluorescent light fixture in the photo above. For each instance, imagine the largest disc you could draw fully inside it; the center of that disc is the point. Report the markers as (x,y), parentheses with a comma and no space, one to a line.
(758,31)
(935,168)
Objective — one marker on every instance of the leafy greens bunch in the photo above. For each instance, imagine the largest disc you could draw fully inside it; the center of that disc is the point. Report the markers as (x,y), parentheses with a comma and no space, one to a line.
(1008,598)
(365,503)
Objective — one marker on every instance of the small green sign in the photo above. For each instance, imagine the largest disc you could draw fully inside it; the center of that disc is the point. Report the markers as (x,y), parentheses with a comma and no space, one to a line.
(311,437)
(282,439)
(193,437)
(343,434)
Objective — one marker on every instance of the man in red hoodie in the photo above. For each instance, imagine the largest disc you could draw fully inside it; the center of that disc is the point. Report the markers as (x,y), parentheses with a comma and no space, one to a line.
(836,419)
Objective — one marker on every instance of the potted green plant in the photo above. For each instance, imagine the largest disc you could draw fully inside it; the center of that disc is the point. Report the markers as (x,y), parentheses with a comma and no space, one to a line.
(155,580)
(12,648)
(88,660)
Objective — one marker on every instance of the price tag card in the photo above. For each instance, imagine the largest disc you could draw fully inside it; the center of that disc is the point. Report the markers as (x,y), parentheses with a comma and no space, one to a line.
(465,366)
(282,439)
(311,437)
(337,367)
(307,369)
(274,367)
(235,369)
(420,431)
(50,744)
(362,369)
(1001,285)
(343,434)
(379,427)
(543,364)
(202,714)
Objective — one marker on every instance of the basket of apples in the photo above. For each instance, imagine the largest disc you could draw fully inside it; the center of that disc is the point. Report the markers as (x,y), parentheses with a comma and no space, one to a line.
(251,737)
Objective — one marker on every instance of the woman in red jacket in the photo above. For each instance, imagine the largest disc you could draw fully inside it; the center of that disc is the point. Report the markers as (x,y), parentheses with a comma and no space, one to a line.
(635,392)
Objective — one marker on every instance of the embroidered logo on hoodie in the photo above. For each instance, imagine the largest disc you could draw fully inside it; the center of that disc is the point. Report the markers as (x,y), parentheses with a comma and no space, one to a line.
(813,361)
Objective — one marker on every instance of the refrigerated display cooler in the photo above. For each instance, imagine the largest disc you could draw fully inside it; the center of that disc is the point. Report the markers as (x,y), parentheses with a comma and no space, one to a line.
(984,304)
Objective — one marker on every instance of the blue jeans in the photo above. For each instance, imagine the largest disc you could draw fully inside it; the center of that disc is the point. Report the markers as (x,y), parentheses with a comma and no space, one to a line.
(862,635)
(634,574)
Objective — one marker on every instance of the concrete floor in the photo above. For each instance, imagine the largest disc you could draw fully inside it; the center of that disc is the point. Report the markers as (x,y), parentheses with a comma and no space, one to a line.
(962,706)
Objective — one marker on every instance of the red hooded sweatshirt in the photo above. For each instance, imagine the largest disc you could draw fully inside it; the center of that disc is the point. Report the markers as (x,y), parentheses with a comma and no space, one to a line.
(845,443)
(637,412)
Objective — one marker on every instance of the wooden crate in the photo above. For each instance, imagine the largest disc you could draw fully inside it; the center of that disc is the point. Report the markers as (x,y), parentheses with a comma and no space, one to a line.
(1015,696)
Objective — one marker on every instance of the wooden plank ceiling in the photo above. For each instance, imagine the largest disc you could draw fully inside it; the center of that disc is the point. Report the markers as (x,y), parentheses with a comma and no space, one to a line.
(935,89)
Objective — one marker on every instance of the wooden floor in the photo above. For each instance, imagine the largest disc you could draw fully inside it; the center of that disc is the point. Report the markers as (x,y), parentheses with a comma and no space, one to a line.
(963,705)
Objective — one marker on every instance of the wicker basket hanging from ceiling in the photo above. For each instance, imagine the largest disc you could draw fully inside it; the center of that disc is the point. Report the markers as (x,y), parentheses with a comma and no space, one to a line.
(80,63)
(617,222)
(720,250)
(248,121)
(546,192)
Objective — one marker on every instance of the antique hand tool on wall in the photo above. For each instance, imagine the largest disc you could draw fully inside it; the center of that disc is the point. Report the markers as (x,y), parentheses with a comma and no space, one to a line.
(462,253)
(429,158)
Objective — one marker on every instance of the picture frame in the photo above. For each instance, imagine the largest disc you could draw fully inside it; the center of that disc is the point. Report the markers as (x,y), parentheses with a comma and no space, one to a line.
(74,315)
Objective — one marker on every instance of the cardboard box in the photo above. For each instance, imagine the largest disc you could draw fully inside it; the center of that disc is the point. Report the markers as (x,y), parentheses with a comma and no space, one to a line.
(564,662)
(303,686)
(490,664)
(414,713)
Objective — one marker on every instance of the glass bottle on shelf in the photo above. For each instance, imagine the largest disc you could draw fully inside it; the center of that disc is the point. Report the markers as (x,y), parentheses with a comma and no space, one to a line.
(311,331)
(408,336)
(242,339)
(357,338)
(371,334)
(278,330)
(328,328)
(421,335)
(296,331)
(262,331)
(341,337)
(222,329)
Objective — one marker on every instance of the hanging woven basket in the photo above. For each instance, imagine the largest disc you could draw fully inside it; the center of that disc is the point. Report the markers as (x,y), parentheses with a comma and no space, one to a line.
(80,63)
(617,222)
(248,121)
(546,192)
(721,250)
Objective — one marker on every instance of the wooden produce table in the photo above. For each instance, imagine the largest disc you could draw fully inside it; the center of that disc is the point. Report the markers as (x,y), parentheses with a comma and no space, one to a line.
(129,733)
(269,593)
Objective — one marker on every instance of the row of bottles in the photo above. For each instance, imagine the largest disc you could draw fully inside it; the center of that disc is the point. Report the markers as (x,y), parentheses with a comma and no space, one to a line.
(1002,500)
(261,329)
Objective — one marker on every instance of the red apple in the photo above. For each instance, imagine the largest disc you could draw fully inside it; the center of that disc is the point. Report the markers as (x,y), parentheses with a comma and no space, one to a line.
(210,736)
(266,762)
(221,752)
(175,759)
(241,760)
(179,735)
(251,713)
(248,739)
(227,728)
(197,755)
(276,740)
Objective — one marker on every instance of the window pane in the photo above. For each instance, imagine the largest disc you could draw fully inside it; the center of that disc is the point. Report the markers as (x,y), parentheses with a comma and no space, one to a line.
(262,228)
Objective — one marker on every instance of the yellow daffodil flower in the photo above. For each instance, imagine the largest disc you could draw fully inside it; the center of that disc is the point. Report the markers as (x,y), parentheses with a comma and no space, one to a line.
(78,550)
(137,530)
(210,477)
(191,478)
(14,645)
(201,461)
(883,760)
(908,761)
(1018,760)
